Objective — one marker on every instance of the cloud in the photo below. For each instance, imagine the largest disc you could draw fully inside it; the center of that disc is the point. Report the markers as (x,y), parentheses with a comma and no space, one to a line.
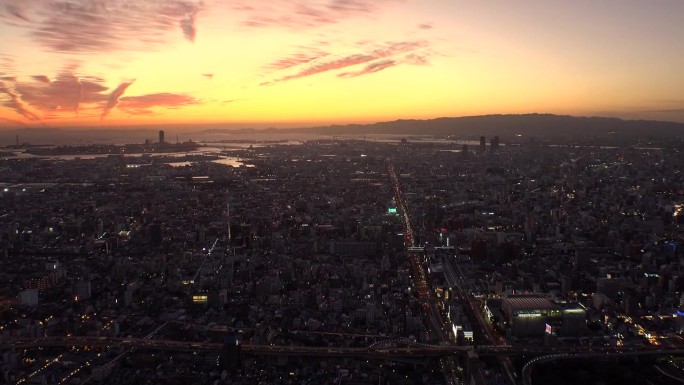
(103,26)
(162,99)
(65,92)
(15,103)
(369,69)
(416,59)
(139,112)
(143,104)
(187,25)
(16,11)
(327,66)
(298,14)
(113,99)
(296,59)
(385,51)
(46,97)
(208,76)
(425,26)
(41,78)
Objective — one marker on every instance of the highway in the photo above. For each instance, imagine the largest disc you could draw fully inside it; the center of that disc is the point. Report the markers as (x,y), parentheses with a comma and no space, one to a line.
(455,278)
(387,349)
(431,314)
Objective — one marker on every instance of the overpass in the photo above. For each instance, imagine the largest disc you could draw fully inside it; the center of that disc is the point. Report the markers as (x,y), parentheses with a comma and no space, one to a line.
(387,349)
(527,369)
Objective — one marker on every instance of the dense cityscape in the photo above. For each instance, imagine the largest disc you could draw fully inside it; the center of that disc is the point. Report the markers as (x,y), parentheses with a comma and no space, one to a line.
(343,261)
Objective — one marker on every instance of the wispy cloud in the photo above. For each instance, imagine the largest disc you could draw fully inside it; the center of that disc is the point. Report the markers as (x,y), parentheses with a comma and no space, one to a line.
(376,53)
(143,104)
(416,59)
(369,69)
(307,14)
(113,99)
(101,26)
(208,76)
(327,66)
(296,59)
(425,26)
(15,103)
(15,10)
(161,99)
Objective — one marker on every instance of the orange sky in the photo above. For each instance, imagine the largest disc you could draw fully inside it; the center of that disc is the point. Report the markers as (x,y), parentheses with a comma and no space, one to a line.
(118,62)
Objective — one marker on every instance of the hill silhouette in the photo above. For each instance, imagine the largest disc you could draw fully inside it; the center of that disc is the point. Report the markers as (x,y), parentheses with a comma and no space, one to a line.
(535,125)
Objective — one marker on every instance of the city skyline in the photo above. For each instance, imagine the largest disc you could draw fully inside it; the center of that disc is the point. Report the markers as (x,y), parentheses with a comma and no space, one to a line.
(284,63)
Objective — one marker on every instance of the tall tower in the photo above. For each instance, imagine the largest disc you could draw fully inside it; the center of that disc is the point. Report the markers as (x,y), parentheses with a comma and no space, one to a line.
(161,136)
(483,144)
(495,144)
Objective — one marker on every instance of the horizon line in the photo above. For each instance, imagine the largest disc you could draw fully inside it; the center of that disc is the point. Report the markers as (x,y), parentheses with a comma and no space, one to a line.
(259,126)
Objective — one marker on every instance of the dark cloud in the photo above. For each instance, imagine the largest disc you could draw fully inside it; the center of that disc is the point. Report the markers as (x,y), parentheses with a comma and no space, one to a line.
(425,26)
(369,69)
(113,98)
(41,78)
(188,27)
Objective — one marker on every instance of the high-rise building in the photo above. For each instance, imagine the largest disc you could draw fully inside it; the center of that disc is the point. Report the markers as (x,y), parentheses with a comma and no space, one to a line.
(161,136)
(483,144)
(495,144)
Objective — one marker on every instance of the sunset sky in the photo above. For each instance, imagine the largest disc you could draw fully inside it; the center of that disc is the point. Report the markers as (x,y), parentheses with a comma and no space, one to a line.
(130,62)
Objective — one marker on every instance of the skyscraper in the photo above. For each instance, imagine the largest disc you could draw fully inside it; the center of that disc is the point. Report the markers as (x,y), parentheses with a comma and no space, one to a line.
(483,144)
(161,136)
(495,144)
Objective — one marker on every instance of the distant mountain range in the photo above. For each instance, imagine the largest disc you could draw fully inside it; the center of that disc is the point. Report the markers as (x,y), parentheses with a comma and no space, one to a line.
(509,126)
